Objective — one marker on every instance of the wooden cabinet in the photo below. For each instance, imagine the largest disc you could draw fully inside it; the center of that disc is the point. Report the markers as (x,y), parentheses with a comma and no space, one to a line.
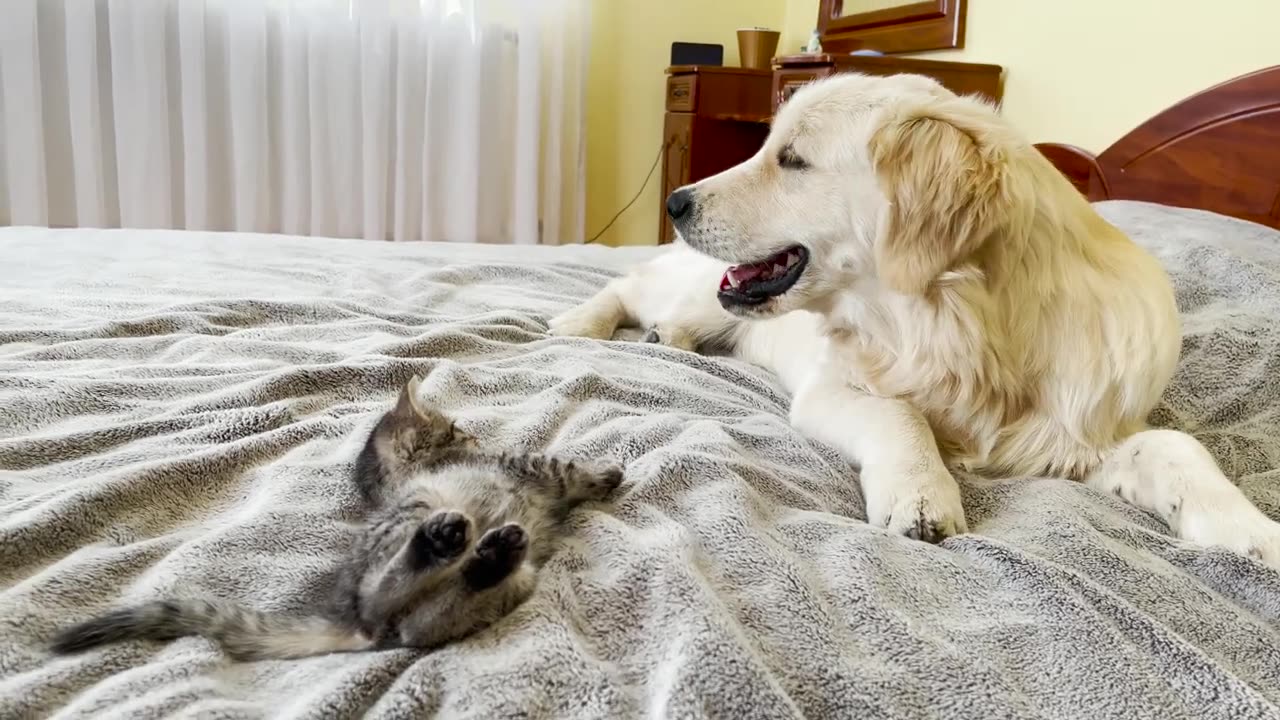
(793,71)
(677,129)
(716,118)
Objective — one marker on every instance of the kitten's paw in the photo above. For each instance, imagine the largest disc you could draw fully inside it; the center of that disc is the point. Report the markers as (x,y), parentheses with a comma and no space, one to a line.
(463,439)
(510,539)
(597,478)
(498,553)
(444,536)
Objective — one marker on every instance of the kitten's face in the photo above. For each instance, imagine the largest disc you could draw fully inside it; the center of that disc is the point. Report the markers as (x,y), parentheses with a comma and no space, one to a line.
(415,433)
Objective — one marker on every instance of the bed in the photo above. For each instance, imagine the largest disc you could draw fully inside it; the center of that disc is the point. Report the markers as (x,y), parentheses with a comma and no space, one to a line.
(179,413)
(1216,150)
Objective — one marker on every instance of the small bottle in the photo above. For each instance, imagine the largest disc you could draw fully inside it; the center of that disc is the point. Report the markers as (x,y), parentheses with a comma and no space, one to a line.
(815,43)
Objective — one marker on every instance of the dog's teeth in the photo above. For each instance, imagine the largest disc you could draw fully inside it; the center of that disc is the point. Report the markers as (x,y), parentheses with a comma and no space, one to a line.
(733,280)
(778,270)
(792,259)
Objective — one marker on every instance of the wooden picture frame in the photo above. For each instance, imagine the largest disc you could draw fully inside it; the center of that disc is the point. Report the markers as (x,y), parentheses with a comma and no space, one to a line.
(909,27)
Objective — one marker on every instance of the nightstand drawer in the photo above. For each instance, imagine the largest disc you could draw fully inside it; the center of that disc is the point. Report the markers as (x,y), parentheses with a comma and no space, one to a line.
(787,82)
(681,91)
(791,72)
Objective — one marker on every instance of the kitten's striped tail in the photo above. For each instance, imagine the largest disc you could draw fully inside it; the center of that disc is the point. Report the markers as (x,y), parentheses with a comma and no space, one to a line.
(244,634)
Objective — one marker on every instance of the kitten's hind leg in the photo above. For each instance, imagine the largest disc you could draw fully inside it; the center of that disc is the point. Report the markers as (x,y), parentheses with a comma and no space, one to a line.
(573,480)
(498,553)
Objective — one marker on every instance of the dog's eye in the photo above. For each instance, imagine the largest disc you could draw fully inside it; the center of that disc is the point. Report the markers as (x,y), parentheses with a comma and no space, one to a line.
(788,158)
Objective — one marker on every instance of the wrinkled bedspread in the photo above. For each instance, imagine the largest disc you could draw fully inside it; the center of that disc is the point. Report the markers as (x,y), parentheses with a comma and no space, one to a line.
(179,413)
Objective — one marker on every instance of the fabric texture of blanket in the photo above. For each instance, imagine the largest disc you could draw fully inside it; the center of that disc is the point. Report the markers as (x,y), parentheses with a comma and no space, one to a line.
(179,415)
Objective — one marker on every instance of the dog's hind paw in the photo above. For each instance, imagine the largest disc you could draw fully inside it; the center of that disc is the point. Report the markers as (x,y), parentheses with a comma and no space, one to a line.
(1247,532)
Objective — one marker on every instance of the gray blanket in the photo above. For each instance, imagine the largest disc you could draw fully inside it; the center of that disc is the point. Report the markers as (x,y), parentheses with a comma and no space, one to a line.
(179,413)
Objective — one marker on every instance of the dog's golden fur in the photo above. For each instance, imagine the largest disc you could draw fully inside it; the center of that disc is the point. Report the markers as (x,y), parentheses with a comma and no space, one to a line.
(962,305)
(1032,334)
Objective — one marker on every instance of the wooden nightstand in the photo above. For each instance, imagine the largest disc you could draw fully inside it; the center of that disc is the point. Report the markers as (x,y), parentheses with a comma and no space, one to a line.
(716,118)
(792,71)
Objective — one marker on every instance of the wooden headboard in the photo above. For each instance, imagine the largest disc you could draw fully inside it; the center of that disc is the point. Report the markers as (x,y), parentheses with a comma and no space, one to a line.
(1217,150)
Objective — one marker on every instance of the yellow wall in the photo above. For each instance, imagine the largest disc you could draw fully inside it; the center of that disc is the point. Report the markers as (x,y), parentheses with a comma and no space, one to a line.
(630,48)
(799,20)
(1088,71)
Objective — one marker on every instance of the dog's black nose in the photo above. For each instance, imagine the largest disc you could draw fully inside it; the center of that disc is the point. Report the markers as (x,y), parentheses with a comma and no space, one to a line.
(679,203)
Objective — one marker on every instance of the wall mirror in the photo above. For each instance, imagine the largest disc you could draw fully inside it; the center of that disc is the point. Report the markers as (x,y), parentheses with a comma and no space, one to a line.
(890,26)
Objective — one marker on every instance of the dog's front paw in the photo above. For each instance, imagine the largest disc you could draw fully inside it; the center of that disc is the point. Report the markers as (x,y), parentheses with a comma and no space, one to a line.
(920,502)
(1247,532)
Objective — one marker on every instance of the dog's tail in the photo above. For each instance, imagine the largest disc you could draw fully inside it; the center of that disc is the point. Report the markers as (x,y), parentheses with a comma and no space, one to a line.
(244,634)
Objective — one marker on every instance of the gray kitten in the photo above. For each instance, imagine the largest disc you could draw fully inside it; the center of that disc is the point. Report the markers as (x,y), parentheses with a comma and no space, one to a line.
(452,544)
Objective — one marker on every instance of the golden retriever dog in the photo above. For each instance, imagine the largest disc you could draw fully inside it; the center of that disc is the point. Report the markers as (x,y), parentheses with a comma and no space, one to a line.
(936,295)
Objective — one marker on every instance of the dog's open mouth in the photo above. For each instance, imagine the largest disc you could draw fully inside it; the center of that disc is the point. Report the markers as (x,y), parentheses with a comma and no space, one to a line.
(754,283)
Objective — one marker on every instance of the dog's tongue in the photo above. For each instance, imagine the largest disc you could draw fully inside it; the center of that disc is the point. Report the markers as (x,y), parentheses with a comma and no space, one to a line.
(774,266)
(737,275)
(746,273)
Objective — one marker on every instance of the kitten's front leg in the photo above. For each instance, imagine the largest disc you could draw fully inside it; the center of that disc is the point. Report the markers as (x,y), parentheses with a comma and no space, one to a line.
(439,540)
(499,552)
(572,480)
(589,479)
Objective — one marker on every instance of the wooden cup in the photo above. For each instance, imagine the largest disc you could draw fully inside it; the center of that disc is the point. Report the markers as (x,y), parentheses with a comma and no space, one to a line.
(756,48)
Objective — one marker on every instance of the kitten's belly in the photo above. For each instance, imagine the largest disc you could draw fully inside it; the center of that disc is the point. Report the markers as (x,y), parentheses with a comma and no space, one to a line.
(489,501)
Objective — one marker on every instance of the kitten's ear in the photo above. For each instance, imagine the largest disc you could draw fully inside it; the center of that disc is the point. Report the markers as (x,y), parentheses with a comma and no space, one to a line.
(409,407)
(412,411)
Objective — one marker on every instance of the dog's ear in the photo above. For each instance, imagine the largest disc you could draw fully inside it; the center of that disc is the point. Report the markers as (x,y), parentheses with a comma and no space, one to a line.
(942,163)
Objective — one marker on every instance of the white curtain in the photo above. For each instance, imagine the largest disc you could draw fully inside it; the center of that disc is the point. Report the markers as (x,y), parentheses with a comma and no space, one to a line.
(455,120)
